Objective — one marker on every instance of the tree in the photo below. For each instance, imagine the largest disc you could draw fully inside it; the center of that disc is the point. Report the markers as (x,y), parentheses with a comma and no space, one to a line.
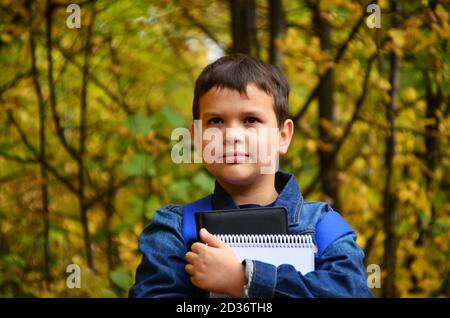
(390,202)
(276,18)
(243,27)
(86,117)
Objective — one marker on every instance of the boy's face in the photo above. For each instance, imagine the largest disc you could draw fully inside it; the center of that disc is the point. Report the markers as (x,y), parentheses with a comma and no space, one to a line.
(251,139)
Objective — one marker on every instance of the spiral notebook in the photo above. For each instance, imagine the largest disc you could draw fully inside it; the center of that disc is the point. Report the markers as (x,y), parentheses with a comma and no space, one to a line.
(267,239)
(296,250)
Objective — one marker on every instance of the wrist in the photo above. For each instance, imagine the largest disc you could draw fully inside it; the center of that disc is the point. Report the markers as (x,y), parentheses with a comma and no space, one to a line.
(238,288)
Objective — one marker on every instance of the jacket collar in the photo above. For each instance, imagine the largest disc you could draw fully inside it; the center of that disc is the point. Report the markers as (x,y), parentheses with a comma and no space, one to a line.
(289,196)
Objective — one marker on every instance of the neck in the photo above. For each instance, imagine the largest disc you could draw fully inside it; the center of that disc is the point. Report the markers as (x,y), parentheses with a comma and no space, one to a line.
(260,192)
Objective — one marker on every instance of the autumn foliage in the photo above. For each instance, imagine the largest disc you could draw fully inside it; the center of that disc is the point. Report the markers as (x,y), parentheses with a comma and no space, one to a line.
(86,116)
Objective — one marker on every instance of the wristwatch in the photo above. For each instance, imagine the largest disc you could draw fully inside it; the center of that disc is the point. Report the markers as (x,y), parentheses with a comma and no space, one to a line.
(248,276)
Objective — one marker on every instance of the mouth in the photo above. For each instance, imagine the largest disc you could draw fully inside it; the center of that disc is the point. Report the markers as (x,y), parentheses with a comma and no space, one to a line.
(235,157)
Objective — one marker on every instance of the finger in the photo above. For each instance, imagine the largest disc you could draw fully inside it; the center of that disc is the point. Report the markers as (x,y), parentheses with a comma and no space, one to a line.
(210,239)
(189,268)
(197,247)
(191,257)
(194,281)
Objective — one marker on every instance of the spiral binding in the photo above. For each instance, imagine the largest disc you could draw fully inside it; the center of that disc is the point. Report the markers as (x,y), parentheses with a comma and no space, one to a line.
(267,240)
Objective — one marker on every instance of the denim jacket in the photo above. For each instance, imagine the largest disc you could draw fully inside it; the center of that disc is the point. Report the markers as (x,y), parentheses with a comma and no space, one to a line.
(339,270)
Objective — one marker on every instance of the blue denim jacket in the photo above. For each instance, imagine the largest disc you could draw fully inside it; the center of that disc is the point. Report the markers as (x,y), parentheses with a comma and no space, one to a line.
(339,270)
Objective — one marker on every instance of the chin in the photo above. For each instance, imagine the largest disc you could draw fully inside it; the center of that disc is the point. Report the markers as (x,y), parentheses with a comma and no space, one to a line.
(236,174)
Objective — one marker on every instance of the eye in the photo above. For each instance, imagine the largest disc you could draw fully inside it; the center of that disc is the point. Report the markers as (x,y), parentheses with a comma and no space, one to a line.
(251,120)
(214,121)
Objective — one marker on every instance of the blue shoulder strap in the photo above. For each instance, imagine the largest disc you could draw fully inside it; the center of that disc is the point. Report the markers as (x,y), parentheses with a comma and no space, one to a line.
(331,227)
(188,228)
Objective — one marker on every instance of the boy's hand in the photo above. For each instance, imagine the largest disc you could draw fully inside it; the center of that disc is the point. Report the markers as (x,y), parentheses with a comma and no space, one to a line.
(214,266)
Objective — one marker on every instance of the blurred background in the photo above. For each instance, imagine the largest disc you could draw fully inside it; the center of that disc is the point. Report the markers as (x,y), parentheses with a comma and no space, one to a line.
(86,115)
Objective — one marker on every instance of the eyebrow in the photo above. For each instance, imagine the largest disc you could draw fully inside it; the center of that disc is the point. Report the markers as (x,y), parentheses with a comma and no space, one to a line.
(211,114)
(256,113)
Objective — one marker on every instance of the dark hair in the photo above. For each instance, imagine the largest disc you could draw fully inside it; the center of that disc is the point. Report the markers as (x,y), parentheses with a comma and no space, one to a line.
(235,72)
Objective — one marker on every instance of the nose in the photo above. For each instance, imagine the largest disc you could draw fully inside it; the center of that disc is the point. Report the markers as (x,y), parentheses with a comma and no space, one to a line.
(234,134)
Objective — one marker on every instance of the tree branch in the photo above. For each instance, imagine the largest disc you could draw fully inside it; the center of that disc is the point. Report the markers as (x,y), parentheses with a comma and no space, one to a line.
(42,147)
(35,152)
(336,59)
(108,191)
(201,26)
(347,130)
(18,159)
(122,104)
(51,86)
(358,106)
(13,82)
(82,142)
(115,62)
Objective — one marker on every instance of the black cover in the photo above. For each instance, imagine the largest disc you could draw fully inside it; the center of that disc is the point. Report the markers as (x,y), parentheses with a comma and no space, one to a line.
(267,220)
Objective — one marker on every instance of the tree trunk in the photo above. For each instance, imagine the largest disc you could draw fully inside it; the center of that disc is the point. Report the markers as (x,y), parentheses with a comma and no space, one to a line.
(276,17)
(82,145)
(243,27)
(390,202)
(326,112)
(42,151)
(112,254)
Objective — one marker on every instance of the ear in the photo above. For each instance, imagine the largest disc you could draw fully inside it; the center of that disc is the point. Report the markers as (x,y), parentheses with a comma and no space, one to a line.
(285,135)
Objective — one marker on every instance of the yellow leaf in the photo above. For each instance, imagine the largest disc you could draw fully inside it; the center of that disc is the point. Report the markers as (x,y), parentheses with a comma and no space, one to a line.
(442,13)
(418,267)
(382,84)
(409,94)
(311,145)
(398,37)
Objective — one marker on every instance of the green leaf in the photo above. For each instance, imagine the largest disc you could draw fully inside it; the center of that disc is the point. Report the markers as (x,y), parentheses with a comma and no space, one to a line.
(171,117)
(124,142)
(204,181)
(152,205)
(121,278)
(100,235)
(139,164)
(106,293)
(178,190)
(93,165)
(120,227)
(136,208)
(13,261)
(139,124)
(403,228)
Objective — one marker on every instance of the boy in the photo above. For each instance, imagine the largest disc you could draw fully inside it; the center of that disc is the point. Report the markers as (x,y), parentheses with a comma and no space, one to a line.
(241,92)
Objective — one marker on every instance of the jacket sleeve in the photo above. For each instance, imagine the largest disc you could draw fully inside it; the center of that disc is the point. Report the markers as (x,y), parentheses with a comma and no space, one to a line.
(340,272)
(161,272)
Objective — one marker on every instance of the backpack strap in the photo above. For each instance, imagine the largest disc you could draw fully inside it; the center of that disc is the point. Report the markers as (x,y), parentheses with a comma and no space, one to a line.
(331,227)
(189,229)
